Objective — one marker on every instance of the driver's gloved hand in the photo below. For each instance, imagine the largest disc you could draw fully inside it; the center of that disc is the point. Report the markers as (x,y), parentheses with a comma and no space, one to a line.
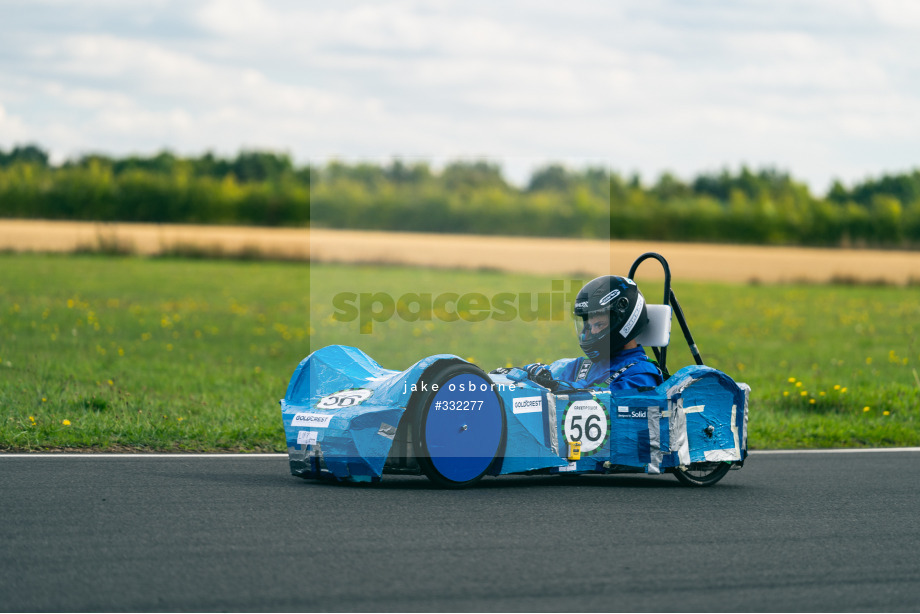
(540,374)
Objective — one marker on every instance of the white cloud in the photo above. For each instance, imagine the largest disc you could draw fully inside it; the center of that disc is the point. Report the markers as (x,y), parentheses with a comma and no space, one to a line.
(648,85)
(899,14)
(12,128)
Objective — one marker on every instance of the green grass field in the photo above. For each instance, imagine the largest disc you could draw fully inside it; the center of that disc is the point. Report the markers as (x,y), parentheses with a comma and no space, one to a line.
(128,353)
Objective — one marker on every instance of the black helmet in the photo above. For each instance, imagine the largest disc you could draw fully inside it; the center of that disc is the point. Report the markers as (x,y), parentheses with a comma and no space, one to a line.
(616,300)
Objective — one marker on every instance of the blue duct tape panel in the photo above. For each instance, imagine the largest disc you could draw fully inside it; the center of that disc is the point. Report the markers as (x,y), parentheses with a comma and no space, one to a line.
(640,433)
(342,402)
(529,443)
(698,415)
(707,417)
(616,430)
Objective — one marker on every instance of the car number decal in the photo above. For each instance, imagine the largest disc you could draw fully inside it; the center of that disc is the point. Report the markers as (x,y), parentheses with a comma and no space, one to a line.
(344,398)
(586,421)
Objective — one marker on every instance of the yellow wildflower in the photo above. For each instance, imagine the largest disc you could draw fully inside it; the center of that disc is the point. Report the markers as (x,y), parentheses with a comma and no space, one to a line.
(65,422)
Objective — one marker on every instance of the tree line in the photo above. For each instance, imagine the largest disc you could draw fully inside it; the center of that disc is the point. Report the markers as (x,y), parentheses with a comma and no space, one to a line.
(764,206)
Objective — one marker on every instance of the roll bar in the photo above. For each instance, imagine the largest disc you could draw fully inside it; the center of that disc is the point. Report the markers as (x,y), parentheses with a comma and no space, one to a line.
(661,354)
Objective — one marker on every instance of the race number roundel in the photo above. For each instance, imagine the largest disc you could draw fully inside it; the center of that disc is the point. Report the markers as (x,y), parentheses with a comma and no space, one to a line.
(588,422)
(344,398)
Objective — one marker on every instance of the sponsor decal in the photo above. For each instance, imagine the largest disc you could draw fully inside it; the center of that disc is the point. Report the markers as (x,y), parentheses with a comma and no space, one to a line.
(583,370)
(586,421)
(344,398)
(581,305)
(610,297)
(306,438)
(527,405)
(632,412)
(633,318)
(319,421)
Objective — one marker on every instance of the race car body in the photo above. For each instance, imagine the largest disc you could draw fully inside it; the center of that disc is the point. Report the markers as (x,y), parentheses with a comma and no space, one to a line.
(347,417)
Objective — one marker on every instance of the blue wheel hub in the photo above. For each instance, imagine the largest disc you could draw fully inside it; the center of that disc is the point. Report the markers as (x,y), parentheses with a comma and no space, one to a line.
(463,427)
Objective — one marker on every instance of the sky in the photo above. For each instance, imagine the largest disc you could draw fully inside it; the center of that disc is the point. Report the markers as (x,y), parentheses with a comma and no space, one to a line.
(821,89)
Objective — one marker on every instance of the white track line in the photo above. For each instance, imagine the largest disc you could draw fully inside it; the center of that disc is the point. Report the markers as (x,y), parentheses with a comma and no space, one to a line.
(832,451)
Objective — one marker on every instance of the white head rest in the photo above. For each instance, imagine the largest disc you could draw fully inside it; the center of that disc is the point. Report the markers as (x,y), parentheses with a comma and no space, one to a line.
(658,332)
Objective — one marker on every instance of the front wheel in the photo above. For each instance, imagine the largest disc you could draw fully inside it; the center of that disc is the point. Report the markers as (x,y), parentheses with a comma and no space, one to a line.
(459,426)
(701,474)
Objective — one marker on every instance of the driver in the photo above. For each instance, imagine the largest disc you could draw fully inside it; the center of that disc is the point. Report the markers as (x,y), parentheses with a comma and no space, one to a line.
(609,314)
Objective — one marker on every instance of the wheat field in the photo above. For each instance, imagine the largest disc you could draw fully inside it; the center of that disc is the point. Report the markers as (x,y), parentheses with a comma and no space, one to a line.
(688,261)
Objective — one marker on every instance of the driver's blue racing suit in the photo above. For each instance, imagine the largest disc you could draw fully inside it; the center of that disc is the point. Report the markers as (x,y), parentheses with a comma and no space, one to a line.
(629,369)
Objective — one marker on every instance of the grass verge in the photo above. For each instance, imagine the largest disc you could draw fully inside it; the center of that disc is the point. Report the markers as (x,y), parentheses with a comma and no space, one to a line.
(116,353)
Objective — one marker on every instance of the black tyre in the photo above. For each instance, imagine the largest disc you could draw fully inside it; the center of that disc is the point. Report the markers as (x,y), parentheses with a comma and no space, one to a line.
(701,474)
(459,428)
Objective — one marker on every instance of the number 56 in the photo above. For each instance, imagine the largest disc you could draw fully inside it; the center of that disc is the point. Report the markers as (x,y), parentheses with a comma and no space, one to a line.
(592,429)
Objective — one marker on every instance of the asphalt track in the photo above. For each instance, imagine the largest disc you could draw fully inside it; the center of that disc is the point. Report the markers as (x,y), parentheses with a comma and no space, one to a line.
(789,532)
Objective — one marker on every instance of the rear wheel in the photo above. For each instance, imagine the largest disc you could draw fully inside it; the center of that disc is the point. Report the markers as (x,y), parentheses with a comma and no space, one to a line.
(459,428)
(701,474)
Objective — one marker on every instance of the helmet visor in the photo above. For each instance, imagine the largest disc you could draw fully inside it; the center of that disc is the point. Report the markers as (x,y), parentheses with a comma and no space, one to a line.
(592,326)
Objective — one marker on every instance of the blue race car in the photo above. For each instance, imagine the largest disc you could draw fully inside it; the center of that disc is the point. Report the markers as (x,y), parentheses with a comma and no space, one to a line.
(348,418)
